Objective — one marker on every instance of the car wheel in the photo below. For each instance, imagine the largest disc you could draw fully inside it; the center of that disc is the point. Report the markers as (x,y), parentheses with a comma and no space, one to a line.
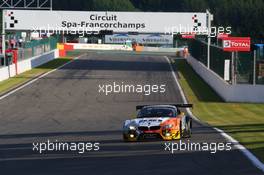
(125,138)
(189,129)
(181,131)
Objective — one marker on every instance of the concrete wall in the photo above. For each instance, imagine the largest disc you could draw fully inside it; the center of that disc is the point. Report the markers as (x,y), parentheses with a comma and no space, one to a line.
(230,93)
(28,64)
(160,49)
(79,46)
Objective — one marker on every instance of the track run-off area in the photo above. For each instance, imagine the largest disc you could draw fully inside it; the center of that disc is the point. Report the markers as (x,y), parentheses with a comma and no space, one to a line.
(66,106)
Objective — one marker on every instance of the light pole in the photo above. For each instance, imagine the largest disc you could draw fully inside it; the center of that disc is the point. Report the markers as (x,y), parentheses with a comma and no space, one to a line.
(3,37)
(233,68)
(254,67)
(209,25)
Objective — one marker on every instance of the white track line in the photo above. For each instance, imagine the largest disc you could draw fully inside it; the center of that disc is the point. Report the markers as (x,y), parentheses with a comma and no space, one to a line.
(36,79)
(256,162)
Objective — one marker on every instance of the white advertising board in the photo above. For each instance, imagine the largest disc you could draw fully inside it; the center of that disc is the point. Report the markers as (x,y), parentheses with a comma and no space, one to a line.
(143,39)
(227,70)
(79,21)
(79,46)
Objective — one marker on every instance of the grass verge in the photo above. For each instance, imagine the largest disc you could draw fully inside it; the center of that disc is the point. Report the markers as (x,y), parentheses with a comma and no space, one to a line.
(243,121)
(20,79)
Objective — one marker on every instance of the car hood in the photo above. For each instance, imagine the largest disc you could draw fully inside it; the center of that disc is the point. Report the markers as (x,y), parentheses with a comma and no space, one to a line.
(148,121)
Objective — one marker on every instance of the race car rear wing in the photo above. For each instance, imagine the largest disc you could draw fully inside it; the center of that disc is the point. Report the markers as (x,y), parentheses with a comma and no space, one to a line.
(176,105)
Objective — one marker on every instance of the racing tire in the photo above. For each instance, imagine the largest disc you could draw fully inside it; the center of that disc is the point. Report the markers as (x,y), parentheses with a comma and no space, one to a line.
(181,133)
(125,139)
(189,129)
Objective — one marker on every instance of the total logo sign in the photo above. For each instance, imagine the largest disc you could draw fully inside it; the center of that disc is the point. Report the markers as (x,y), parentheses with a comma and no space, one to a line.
(234,44)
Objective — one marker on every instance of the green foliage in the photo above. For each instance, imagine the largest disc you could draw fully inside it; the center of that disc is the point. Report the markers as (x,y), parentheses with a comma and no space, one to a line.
(113,5)
(97,5)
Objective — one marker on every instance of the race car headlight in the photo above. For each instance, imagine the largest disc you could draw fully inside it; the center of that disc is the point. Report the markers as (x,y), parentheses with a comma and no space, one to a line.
(168,126)
(132,127)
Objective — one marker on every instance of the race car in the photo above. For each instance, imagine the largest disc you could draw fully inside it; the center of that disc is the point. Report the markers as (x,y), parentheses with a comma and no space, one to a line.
(158,121)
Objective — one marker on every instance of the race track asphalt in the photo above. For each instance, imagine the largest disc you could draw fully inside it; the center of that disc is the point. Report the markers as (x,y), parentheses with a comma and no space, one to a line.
(65,106)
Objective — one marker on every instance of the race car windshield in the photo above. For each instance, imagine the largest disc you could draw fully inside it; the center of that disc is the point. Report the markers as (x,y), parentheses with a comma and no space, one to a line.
(156,112)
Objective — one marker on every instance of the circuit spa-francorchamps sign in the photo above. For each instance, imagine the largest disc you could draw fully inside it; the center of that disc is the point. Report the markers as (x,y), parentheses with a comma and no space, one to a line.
(144,22)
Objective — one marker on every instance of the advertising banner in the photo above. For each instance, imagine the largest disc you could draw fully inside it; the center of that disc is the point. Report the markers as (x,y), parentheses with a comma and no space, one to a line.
(188,36)
(79,46)
(94,21)
(236,44)
(143,39)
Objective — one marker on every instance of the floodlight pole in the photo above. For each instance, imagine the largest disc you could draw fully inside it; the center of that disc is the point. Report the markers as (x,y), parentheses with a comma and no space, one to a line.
(254,69)
(6,60)
(208,51)
(233,67)
(51,3)
(3,32)
(209,24)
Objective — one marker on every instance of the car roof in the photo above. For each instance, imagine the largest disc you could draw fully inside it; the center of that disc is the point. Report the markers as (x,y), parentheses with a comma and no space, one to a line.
(160,106)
